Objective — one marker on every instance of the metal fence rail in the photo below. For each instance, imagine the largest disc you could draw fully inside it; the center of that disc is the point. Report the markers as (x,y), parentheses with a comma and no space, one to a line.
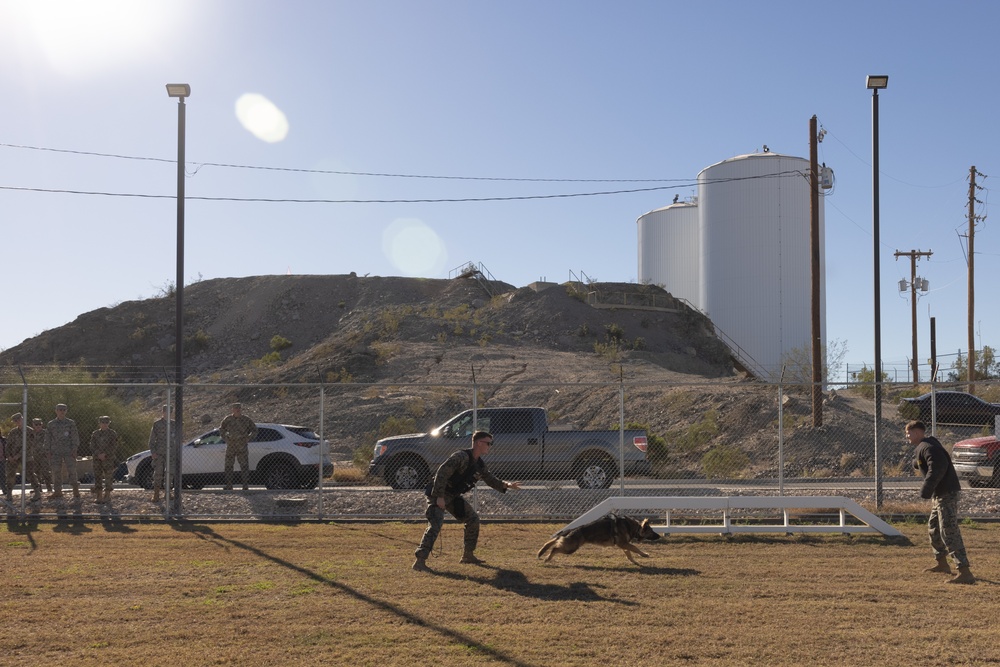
(708,438)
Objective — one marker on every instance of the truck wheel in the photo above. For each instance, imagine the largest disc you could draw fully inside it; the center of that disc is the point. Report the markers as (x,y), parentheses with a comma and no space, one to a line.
(995,480)
(407,472)
(595,474)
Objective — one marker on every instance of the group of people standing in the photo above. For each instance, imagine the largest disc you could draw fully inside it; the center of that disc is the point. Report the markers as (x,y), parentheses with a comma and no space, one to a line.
(51,449)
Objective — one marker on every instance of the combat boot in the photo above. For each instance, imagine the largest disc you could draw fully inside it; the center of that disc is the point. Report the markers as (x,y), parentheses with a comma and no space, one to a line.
(100,496)
(156,496)
(56,494)
(942,565)
(469,558)
(107,495)
(964,576)
(420,565)
(76,490)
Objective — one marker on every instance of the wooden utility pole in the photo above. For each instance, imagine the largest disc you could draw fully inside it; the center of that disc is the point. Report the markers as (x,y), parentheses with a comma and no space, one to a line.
(971,360)
(817,339)
(933,351)
(914,255)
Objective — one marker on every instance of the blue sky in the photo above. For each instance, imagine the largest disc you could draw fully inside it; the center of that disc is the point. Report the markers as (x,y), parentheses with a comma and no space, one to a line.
(514,89)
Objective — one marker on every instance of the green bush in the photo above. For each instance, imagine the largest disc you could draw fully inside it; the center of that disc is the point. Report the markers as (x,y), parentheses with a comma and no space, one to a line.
(725,462)
(279,343)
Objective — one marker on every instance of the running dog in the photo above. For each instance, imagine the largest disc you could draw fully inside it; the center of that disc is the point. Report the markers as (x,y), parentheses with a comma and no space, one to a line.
(611,530)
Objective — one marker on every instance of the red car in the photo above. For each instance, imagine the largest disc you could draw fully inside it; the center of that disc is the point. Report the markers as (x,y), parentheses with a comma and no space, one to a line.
(977,460)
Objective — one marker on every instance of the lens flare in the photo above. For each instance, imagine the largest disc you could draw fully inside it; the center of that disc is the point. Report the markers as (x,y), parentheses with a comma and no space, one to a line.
(414,248)
(261,117)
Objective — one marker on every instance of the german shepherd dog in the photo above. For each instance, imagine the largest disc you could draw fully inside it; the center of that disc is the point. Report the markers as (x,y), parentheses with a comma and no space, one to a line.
(608,531)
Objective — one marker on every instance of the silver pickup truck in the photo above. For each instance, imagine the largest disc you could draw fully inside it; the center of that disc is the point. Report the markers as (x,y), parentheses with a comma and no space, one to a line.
(524,448)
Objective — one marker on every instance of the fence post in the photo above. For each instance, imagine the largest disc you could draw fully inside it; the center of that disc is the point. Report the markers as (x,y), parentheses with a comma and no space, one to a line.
(172,439)
(781,440)
(322,455)
(621,437)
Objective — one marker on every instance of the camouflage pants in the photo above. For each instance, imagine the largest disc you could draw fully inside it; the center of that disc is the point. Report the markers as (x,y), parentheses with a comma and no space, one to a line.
(943,528)
(237,452)
(458,508)
(159,470)
(14,469)
(60,457)
(104,473)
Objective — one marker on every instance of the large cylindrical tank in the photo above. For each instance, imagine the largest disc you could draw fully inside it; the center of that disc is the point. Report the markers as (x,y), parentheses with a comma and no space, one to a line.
(669,250)
(756,258)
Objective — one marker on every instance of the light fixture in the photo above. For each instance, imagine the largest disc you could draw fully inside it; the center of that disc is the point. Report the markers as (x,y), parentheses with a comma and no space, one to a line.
(878,81)
(184,90)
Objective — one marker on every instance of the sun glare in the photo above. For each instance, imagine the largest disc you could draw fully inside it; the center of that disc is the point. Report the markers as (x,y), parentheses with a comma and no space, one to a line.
(414,248)
(261,117)
(78,37)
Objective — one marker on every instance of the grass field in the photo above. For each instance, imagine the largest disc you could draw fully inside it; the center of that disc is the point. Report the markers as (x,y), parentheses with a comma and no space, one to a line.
(344,594)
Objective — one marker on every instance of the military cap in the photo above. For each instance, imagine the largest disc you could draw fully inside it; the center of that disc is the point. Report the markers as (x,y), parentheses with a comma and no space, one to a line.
(16,417)
(37,420)
(104,419)
(61,406)
(237,406)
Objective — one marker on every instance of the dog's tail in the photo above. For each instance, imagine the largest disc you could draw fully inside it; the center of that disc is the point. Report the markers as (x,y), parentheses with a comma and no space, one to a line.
(548,545)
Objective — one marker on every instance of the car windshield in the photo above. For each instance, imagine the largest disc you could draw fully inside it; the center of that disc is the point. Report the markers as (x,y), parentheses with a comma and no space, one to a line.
(304,432)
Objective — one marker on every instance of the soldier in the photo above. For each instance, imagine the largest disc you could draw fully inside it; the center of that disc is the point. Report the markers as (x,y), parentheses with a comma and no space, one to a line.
(62,439)
(104,447)
(15,439)
(40,453)
(942,486)
(457,475)
(237,430)
(12,456)
(158,450)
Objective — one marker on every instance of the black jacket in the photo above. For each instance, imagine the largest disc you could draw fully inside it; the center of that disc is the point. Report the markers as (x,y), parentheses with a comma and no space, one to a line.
(935,464)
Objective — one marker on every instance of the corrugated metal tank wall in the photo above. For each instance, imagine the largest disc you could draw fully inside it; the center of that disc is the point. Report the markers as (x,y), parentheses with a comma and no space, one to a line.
(669,253)
(755,280)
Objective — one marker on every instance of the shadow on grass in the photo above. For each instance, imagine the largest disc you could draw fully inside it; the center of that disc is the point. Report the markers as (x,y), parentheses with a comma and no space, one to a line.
(645,569)
(514,581)
(206,532)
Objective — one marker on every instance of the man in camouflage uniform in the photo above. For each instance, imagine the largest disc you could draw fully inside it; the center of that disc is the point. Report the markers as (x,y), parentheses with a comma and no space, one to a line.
(62,439)
(457,475)
(104,447)
(158,449)
(237,430)
(15,439)
(12,455)
(39,453)
(942,486)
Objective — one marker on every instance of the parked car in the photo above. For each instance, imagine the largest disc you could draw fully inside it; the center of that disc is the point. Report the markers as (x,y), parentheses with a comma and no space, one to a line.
(953,407)
(977,460)
(281,457)
(524,447)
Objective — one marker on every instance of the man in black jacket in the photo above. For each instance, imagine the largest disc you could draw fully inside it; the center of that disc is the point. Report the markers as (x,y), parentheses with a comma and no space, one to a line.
(457,475)
(941,485)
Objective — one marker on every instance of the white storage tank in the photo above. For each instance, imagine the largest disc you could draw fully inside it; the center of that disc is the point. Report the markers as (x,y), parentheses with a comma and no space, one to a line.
(755,256)
(669,253)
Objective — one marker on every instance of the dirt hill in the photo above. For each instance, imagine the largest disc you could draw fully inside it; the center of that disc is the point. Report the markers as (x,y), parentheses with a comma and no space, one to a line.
(408,349)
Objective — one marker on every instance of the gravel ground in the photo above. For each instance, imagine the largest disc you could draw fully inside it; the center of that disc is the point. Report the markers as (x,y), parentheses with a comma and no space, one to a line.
(346,502)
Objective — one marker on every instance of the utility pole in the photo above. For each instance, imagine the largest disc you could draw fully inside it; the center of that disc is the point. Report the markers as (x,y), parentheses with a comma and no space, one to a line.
(817,342)
(914,255)
(971,361)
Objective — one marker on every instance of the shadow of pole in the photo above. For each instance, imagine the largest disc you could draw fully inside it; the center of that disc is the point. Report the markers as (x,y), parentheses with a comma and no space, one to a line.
(464,640)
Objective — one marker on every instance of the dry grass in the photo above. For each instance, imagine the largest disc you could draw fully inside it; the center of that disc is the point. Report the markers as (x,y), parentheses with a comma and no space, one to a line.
(265,594)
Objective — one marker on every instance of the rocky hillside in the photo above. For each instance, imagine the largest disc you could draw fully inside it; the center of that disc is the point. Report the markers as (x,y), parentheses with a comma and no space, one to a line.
(408,349)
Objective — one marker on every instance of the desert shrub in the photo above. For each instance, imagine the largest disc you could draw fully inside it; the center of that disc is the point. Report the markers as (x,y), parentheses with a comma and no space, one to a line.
(583,330)
(339,376)
(609,350)
(196,342)
(639,343)
(279,343)
(396,426)
(866,379)
(384,351)
(725,461)
(269,359)
(614,333)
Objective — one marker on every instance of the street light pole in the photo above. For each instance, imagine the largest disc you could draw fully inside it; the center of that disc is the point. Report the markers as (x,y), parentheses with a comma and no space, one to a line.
(876,83)
(180,91)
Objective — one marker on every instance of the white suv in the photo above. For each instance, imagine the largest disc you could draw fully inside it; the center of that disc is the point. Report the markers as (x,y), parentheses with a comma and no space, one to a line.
(281,457)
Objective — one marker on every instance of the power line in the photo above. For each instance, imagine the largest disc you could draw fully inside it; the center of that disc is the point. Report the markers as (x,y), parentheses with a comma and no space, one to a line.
(784,174)
(199,165)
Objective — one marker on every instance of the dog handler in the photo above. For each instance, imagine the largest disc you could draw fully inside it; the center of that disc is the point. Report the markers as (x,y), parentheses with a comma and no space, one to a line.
(942,486)
(457,475)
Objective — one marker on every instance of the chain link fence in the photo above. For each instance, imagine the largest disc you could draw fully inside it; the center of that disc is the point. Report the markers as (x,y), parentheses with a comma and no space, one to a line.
(310,457)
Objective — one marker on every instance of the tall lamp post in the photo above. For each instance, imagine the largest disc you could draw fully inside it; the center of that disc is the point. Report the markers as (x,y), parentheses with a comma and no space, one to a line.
(181,91)
(875,84)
